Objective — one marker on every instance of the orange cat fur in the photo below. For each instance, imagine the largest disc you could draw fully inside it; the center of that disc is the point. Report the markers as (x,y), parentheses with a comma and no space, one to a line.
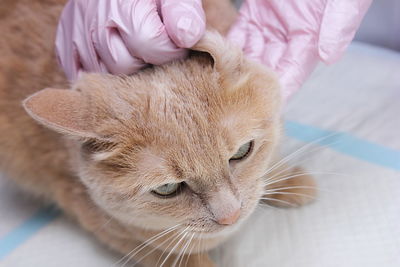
(100,149)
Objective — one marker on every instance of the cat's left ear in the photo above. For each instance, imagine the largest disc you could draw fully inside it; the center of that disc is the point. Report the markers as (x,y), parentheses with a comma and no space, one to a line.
(62,110)
(227,58)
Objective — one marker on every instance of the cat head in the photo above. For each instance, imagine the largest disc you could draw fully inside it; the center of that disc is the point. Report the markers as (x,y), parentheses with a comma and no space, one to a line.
(184,143)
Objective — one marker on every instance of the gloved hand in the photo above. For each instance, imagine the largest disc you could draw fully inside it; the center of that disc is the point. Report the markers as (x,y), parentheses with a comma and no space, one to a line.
(291,36)
(122,36)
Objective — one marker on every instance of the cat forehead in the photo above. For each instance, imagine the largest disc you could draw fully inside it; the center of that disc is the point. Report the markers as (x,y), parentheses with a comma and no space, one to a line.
(179,166)
(190,83)
(182,99)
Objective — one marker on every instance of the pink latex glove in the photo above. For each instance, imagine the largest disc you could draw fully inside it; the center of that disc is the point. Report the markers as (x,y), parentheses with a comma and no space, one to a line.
(291,36)
(122,36)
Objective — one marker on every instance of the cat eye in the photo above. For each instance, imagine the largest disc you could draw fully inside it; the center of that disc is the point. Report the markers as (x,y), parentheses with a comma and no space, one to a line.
(168,190)
(243,151)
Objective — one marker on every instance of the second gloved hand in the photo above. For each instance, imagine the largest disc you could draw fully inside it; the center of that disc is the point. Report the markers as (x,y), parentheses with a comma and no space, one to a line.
(291,36)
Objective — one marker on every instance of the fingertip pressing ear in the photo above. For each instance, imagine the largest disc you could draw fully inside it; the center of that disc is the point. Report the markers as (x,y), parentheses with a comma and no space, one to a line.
(62,110)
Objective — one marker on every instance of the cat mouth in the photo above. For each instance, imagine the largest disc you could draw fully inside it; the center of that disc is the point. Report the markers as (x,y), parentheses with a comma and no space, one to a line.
(211,228)
(215,230)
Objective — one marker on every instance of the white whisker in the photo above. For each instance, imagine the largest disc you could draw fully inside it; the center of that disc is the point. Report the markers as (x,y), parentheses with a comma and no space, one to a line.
(173,249)
(144,244)
(277,189)
(179,255)
(170,243)
(185,249)
(300,150)
(190,251)
(299,162)
(269,206)
(199,247)
(104,225)
(279,200)
(175,235)
(271,180)
(290,193)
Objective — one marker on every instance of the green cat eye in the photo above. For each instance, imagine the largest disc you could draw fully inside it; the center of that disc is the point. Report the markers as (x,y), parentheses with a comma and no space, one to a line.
(167,190)
(243,151)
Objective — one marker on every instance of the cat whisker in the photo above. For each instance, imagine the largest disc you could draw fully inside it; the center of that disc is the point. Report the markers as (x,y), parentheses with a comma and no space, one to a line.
(269,206)
(170,243)
(179,255)
(155,238)
(299,162)
(174,236)
(280,179)
(182,254)
(191,249)
(298,187)
(187,249)
(289,193)
(104,225)
(279,200)
(173,248)
(136,250)
(295,153)
(200,247)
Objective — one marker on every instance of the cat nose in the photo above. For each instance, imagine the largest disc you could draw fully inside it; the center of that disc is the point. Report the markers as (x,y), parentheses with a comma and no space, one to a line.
(230,218)
(224,206)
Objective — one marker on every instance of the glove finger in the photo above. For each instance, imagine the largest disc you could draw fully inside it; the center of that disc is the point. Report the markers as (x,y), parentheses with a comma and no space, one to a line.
(248,37)
(109,45)
(67,54)
(74,46)
(244,26)
(143,32)
(113,53)
(184,21)
(66,47)
(248,33)
(272,53)
(297,63)
(237,34)
(255,43)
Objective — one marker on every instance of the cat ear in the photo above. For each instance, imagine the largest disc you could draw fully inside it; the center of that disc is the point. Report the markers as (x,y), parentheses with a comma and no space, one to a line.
(227,58)
(63,110)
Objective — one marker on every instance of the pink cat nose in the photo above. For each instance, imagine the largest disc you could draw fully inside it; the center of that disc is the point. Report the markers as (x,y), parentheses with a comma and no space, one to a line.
(230,219)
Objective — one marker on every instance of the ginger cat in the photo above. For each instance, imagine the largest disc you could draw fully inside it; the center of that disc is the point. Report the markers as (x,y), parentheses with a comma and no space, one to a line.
(169,156)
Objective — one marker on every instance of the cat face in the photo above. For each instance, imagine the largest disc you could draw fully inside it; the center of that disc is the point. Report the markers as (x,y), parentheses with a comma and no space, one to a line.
(185,143)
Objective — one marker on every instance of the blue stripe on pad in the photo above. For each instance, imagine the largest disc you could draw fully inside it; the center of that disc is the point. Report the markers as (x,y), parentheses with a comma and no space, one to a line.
(346,144)
(26,230)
